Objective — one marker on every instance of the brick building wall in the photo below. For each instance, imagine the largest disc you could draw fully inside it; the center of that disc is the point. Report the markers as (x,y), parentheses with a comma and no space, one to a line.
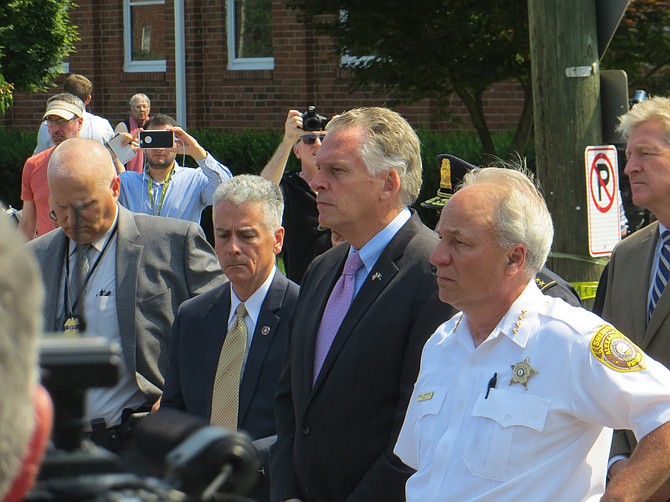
(305,72)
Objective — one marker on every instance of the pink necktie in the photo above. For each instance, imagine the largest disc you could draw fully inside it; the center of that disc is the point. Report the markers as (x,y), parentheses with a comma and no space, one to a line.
(336,308)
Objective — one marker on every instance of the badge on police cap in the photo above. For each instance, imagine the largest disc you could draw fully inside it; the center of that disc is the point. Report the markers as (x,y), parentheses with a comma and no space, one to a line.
(613,349)
(452,170)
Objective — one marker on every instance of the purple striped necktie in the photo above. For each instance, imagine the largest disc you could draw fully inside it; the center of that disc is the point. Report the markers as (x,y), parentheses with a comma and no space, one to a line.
(336,308)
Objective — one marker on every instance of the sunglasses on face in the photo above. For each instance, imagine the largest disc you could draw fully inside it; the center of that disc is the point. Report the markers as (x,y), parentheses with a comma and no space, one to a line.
(310,139)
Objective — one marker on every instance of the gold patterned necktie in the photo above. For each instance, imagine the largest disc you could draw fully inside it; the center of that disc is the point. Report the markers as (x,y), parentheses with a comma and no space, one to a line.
(226,392)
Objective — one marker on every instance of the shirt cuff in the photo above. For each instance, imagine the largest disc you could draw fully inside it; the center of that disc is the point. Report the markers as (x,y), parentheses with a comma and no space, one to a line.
(615,458)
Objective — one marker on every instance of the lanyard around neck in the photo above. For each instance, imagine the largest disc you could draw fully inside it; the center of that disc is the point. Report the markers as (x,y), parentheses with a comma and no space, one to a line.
(150,189)
(70,309)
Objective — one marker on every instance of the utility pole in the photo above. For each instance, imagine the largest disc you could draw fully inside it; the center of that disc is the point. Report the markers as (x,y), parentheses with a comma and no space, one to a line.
(567,117)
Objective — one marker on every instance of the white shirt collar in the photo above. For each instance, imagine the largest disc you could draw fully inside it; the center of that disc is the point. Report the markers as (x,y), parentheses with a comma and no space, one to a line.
(255,301)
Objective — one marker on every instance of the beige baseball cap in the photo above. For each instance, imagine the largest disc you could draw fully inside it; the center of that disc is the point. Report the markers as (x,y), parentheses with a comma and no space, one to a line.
(63,109)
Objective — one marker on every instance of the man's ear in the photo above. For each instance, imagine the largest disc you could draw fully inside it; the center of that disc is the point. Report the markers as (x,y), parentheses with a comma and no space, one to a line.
(116,187)
(391,182)
(279,240)
(516,259)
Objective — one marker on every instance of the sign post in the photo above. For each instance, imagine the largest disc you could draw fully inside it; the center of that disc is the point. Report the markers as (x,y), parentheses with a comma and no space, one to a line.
(602,199)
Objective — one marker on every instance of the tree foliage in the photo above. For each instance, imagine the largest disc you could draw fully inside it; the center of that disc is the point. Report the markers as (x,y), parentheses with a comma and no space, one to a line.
(641,46)
(35,36)
(431,49)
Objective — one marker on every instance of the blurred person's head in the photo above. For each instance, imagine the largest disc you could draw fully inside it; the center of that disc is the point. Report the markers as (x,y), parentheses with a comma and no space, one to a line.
(369,169)
(140,107)
(248,234)
(63,117)
(83,178)
(79,86)
(21,297)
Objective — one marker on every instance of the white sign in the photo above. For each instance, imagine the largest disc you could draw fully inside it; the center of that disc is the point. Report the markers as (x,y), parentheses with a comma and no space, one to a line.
(602,199)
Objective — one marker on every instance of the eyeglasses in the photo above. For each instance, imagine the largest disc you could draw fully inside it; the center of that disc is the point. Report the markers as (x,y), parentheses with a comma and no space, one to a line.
(52,215)
(310,139)
(59,122)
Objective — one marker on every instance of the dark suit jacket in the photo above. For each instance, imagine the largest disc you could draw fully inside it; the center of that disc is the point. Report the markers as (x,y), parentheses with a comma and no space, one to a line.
(197,337)
(625,306)
(335,440)
(160,262)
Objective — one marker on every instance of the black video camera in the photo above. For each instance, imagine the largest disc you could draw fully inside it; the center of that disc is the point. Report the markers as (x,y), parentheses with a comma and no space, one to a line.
(312,121)
(196,461)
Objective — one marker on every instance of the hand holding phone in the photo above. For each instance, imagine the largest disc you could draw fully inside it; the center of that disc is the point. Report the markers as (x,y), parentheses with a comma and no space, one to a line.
(156,139)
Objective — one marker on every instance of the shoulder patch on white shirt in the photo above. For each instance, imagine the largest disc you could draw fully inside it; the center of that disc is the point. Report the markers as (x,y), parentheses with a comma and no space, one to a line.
(612,348)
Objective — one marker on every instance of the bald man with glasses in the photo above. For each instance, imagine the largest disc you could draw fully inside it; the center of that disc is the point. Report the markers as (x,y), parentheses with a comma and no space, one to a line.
(304,239)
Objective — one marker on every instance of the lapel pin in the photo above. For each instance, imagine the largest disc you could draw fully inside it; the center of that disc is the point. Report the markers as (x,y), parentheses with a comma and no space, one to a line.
(376,276)
(265,330)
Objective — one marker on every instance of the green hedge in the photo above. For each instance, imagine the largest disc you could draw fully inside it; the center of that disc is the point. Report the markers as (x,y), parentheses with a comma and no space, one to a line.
(248,151)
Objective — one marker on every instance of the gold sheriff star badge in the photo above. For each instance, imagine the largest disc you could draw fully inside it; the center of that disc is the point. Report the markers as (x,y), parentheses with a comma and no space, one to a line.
(521,372)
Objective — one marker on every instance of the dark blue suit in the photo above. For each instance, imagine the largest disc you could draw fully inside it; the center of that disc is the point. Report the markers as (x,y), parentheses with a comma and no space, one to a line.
(197,337)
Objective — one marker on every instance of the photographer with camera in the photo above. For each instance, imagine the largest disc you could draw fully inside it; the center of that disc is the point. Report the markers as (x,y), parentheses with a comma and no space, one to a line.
(305,239)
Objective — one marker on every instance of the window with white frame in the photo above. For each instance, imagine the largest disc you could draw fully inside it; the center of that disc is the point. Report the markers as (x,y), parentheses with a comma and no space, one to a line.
(249,25)
(144,31)
(349,59)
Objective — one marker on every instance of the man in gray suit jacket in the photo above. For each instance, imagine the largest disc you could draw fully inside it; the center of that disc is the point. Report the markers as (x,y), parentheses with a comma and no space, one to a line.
(135,272)
(634,264)
(346,384)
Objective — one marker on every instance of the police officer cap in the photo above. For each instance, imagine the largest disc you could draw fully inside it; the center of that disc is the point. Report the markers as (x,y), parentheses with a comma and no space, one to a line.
(452,170)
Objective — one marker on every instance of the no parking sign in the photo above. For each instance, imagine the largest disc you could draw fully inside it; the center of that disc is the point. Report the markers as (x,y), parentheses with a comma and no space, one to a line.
(602,199)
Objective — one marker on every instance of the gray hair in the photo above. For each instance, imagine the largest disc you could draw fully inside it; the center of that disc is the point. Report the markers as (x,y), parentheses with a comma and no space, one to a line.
(137,96)
(251,188)
(656,108)
(521,215)
(390,143)
(21,297)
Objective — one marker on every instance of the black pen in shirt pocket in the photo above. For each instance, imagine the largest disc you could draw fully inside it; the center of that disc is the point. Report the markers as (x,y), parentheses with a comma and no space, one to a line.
(104,292)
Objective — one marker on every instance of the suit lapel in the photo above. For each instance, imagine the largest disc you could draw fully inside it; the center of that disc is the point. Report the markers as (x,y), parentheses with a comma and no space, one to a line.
(52,274)
(128,261)
(264,333)
(214,329)
(320,295)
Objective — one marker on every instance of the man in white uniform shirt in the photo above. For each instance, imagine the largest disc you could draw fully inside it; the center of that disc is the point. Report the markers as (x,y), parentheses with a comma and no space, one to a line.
(517,394)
